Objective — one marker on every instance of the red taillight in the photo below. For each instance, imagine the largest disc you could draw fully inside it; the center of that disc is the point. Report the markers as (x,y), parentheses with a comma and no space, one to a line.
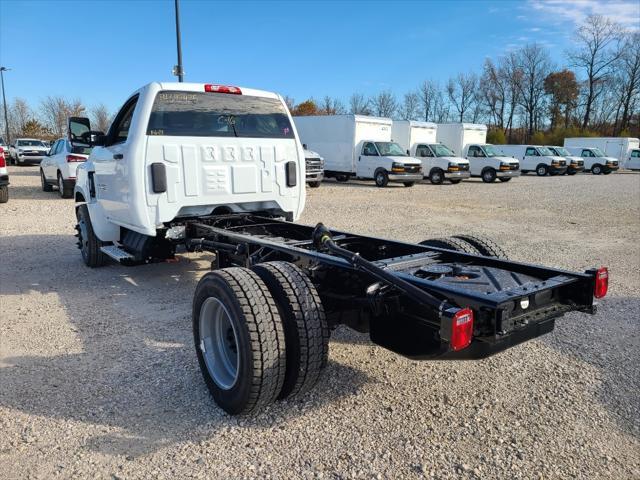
(462,329)
(222,89)
(75,158)
(3,162)
(602,283)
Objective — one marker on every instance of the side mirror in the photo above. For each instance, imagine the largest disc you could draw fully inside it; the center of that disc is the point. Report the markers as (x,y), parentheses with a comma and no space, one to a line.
(93,138)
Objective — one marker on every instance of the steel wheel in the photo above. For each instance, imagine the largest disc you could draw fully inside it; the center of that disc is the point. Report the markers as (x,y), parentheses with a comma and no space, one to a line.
(219,343)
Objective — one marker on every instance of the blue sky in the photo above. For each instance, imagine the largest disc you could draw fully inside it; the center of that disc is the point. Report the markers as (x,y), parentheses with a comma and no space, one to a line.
(102,51)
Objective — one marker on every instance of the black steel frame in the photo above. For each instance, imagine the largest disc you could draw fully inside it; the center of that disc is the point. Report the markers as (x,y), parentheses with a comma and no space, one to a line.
(367,283)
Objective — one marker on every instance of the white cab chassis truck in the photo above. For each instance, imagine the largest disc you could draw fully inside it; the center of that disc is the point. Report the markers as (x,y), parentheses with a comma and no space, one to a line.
(595,161)
(220,169)
(469,140)
(438,162)
(535,158)
(633,162)
(619,148)
(358,146)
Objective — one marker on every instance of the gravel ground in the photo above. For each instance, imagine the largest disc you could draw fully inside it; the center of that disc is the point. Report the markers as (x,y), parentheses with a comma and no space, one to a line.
(99,379)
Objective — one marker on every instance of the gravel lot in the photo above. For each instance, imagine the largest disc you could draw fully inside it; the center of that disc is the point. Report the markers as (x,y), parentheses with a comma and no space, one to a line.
(99,379)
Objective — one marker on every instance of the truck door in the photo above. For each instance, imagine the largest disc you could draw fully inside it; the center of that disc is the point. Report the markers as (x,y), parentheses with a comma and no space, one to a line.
(368,160)
(113,164)
(476,159)
(530,160)
(424,153)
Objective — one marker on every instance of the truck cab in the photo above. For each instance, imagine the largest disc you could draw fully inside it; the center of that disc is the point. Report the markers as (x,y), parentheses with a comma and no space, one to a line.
(535,158)
(387,162)
(574,164)
(181,150)
(440,163)
(595,161)
(488,162)
(633,162)
(314,167)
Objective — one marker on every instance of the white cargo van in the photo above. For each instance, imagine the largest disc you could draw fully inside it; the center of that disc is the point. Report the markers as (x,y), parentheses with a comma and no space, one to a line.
(358,146)
(468,140)
(619,148)
(574,164)
(535,158)
(595,161)
(438,162)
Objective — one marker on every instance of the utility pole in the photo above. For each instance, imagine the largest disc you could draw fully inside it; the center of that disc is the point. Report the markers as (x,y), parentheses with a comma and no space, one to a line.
(4,102)
(177,70)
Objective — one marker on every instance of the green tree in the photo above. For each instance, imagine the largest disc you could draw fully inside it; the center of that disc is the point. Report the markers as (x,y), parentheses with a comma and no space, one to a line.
(496,136)
(563,89)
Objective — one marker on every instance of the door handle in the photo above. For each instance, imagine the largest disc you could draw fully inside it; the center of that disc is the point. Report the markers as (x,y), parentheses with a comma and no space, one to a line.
(118,156)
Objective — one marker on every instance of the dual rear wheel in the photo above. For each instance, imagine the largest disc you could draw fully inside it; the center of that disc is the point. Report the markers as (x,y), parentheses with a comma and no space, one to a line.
(260,335)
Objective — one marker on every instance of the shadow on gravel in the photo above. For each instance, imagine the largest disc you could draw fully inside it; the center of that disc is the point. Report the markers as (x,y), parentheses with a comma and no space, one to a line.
(24,171)
(610,342)
(134,369)
(22,192)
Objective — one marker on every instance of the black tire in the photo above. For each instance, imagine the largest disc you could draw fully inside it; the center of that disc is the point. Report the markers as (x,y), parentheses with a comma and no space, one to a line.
(451,243)
(259,336)
(606,172)
(88,243)
(436,176)
(342,178)
(484,245)
(455,181)
(315,184)
(19,163)
(489,175)
(46,186)
(65,190)
(4,194)
(409,184)
(596,169)
(381,177)
(305,326)
(542,170)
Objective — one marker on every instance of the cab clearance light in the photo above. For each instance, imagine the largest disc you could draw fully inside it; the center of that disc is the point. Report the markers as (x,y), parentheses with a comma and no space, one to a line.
(602,282)
(462,331)
(222,89)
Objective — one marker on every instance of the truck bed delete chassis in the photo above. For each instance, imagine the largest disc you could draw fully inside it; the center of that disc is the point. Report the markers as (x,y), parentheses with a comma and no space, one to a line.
(404,295)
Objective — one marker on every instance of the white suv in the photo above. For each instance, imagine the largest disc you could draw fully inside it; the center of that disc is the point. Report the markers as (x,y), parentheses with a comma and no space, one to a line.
(60,165)
(28,150)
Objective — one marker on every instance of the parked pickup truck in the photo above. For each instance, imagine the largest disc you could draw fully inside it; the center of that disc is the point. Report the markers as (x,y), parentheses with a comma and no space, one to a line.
(438,162)
(203,167)
(314,167)
(486,161)
(535,158)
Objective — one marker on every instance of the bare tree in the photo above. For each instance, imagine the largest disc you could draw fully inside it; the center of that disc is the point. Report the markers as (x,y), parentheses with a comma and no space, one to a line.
(384,104)
(21,114)
(462,91)
(358,105)
(428,92)
(535,65)
(56,111)
(100,118)
(513,79)
(331,106)
(409,110)
(629,71)
(493,89)
(289,102)
(599,39)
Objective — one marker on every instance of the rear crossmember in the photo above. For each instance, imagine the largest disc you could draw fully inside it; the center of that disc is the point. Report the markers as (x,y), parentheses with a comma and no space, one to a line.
(408,297)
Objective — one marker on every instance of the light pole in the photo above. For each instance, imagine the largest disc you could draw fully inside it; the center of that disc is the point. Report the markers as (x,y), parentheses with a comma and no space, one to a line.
(4,102)
(177,70)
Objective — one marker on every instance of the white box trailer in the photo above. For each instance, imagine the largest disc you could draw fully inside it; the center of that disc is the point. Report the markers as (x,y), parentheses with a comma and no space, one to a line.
(438,162)
(619,148)
(358,146)
(469,140)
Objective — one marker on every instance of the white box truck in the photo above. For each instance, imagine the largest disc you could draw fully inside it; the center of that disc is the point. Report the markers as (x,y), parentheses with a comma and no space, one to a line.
(438,162)
(469,140)
(619,148)
(595,160)
(536,158)
(358,146)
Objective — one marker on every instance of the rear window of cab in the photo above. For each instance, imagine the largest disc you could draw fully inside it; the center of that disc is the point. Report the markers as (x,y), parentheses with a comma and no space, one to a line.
(203,114)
